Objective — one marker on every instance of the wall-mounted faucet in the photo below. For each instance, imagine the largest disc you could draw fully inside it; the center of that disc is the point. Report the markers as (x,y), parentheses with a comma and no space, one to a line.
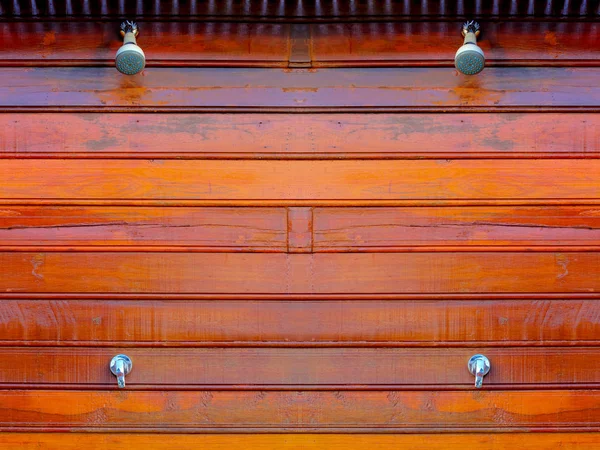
(479,366)
(120,366)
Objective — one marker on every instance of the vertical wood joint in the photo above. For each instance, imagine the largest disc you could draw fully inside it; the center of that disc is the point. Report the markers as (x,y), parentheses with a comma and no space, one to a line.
(300,230)
(300,46)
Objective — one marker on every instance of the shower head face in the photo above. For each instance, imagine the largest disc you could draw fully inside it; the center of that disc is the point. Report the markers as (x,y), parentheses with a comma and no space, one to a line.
(469,59)
(130,59)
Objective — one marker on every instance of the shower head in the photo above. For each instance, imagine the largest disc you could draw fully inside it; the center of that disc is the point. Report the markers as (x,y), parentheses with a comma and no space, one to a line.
(469,59)
(130,58)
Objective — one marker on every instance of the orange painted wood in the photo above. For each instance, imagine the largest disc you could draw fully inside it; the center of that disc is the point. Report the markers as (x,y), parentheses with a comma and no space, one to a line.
(210,322)
(232,229)
(295,136)
(400,411)
(352,273)
(372,334)
(304,441)
(299,180)
(89,43)
(370,229)
(99,88)
(232,43)
(278,368)
(517,43)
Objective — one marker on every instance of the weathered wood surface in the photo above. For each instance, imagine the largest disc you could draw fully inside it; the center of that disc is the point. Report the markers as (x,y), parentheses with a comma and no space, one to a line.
(435,89)
(26,179)
(239,273)
(223,441)
(300,322)
(216,229)
(299,368)
(328,411)
(252,136)
(435,43)
(301,229)
(273,270)
(90,43)
(389,229)
(267,44)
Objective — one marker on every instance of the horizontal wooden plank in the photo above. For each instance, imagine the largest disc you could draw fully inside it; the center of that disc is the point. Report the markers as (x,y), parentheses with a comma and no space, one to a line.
(397,43)
(91,43)
(232,229)
(226,88)
(389,229)
(299,180)
(281,368)
(119,228)
(382,411)
(324,273)
(509,135)
(263,44)
(304,441)
(314,323)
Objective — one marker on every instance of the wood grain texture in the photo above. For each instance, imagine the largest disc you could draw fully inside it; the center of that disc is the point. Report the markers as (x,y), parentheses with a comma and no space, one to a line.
(435,43)
(216,229)
(389,229)
(299,180)
(300,230)
(328,411)
(227,88)
(488,241)
(446,441)
(299,368)
(309,323)
(93,43)
(368,136)
(351,273)
(267,44)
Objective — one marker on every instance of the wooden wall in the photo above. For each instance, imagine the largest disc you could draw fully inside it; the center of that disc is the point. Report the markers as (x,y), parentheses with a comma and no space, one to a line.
(299,228)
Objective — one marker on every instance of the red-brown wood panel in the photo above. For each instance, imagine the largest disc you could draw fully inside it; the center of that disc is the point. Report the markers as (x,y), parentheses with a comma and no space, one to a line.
(353,411)
(249,44)
(253,136)
(305,441)
(300,321)
(435,43)
(298,180)
(89,43)
(300,230)
(270,269)
(351,273)
(389,229)
(302,368)
(217,229)
(225,88)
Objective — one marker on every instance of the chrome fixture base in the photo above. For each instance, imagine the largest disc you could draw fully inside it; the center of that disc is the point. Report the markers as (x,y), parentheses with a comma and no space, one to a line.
(120,366)
(479,366)
(129,26)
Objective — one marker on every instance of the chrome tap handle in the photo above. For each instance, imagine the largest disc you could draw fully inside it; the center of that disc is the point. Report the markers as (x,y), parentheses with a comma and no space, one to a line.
(120,366)
(479,366)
